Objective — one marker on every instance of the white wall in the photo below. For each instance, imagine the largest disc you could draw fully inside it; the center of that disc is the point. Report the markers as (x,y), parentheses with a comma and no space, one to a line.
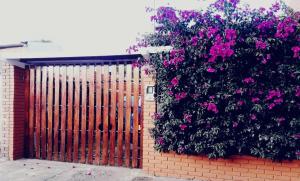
(1,120)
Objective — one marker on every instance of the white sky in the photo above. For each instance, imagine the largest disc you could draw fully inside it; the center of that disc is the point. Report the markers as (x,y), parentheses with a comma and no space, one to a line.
(88,25)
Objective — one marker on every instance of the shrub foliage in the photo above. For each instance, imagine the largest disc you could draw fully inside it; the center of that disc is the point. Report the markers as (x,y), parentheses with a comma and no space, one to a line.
(231,83)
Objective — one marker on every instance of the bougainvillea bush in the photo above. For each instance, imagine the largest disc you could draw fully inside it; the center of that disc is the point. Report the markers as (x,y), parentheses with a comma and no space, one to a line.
(231,83)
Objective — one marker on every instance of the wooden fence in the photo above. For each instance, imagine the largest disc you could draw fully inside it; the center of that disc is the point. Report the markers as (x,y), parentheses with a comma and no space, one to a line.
(85,113)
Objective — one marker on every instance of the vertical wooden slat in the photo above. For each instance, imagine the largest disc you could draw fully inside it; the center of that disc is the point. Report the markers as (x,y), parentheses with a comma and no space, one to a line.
(37,112)
(135,118)
(98,112)
(50,112)
(63,112)
(31,113)
(43,113)
(76,113)
(113,114)
(105,115)
(142,120)
(26,106)
(91,76)
(128,115)
(56,112)
(70,112)
(83,113)
(120,113)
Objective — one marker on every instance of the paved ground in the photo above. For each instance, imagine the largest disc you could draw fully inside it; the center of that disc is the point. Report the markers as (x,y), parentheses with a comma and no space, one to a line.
(42,170)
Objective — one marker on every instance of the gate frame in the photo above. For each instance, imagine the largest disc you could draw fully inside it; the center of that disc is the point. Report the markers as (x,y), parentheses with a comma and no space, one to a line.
(77,61)
(14,116)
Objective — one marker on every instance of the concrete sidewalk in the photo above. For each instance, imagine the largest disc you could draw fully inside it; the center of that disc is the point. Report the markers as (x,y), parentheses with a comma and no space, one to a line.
(42,170)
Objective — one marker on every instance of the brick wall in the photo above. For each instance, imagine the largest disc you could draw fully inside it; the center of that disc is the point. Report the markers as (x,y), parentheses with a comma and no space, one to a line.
(244,168)
(12,117)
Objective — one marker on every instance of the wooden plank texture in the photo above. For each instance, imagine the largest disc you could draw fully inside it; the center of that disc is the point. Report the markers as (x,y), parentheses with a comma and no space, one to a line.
(43,113)
(83,113)
(91,75)
(26,115)
(141,136)
(120,113)
(63,112)
(31,112)
(56,113)
(112,114)
(76,113)
(135,117)
(98,113)
(70,77)
(128,114)
(50,113)
(105,114)
(38,112)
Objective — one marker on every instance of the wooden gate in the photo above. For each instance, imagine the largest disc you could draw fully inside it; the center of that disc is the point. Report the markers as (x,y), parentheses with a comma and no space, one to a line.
(85,113)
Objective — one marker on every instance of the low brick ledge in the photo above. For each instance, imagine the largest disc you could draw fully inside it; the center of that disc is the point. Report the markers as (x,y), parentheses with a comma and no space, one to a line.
(237,168)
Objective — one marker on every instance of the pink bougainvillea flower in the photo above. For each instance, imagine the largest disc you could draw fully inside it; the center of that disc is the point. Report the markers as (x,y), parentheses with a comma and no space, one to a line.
(296,50)
(176,56)
(166,63)
(265,25)
(201,34)
(264,61)
(239,91)
(166,13)
(278,101)
(156,116)
(211,70)
(220,49)
(160,140)
(187,117)
(271,106)
(240,103)
(188,14)
(212,107)
(204,104)
(273,93)
(253,117)
(285,28)
(248,80)
(235,124)
(194,40)
(180,96)
(275,7)
(280,120)
(135,64)
(174,81)
(297,94)
(212,97)
(218,17)
(170,93)
(296,136)
(211,31)
(230,34)
(261,45)
(255,99)
(183,127)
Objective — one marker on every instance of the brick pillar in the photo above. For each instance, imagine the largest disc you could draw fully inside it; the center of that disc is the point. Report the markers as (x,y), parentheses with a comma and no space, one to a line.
(149,154)
(12,120)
